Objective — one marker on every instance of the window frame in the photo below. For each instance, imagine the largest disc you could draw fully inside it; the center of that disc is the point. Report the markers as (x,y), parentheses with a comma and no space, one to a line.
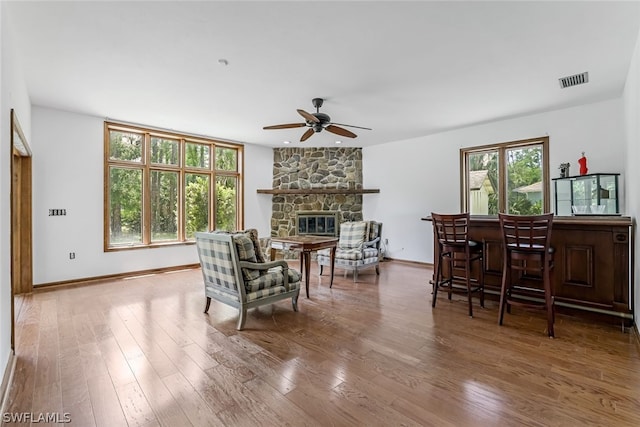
(147,167)
(502,148)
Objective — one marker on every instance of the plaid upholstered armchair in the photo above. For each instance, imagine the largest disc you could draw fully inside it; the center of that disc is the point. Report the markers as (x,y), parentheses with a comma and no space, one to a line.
(235,273)
(358,247)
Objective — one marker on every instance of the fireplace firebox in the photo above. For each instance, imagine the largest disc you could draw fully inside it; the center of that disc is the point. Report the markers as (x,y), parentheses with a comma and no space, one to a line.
(320,223)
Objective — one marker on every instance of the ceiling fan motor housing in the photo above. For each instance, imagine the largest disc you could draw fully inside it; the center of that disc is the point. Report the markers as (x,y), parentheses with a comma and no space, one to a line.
(324,121)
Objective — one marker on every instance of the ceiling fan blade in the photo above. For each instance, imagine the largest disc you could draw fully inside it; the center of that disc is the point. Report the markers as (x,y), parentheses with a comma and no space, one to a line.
(286,126)
(308,117)
(351,126)
(340,131)
(307,134)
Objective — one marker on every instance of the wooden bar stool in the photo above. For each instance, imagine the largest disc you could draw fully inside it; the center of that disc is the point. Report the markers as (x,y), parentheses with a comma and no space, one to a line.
(527,253)
(451,232)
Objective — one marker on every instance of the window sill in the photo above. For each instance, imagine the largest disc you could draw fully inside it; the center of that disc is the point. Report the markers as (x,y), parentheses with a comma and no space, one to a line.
(150,246)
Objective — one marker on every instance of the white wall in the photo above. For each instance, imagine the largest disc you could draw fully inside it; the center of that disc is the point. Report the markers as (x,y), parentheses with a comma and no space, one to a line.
(68,174)
(259,174)
(632,127)
(13,94)
(422,175)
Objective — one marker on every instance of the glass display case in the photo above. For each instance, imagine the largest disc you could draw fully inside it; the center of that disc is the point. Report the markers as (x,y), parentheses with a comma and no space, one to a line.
(591,194)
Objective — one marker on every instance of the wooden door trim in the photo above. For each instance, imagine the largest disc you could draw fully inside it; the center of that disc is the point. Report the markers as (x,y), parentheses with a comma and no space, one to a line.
(21,218)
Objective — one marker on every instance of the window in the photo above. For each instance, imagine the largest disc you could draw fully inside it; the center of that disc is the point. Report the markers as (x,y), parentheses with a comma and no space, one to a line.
(511,177)
(162,188)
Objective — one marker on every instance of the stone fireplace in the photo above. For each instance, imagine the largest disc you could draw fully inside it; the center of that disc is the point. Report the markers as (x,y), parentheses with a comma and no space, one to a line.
(309,171)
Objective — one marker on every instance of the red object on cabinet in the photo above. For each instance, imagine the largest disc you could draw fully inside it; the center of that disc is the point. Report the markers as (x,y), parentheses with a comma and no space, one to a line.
(582,161)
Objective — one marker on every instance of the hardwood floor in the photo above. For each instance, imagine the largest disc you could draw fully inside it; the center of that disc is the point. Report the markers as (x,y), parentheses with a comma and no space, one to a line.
(140,352)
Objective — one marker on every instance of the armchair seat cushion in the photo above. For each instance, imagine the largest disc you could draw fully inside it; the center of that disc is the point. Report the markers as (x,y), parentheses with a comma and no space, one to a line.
(275,290)
(351,254)
(293,275)
(371,253)
(271,279)
(341,262)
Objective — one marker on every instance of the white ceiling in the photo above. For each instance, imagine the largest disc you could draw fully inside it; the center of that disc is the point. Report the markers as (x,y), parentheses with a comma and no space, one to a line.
(405,69)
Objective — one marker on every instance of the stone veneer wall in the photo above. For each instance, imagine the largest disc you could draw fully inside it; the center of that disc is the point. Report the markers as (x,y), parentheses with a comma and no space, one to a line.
(314,168)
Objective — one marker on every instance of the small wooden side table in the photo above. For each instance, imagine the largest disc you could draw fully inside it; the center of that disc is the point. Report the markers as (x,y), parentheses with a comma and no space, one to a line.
(306,244)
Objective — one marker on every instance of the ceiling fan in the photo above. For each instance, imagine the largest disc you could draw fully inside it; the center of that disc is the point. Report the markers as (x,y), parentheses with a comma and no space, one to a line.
(316,122)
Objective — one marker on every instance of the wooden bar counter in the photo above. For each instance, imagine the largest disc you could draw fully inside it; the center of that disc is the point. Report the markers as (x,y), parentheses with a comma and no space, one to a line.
(593,261)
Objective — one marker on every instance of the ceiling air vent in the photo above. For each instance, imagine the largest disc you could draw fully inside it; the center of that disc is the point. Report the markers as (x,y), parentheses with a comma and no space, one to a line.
(576,79)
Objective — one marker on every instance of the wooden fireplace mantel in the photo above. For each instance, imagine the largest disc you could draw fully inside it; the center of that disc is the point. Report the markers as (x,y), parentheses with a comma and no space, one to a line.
(318,190)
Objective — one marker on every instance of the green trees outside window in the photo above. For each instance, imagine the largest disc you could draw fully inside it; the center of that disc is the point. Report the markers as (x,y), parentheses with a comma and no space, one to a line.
(165,151)
(511,177)
(524,180)
(125,209)
(164,205)
(158,187)
(125,146)
(197,155)
(196,203)
(226,207)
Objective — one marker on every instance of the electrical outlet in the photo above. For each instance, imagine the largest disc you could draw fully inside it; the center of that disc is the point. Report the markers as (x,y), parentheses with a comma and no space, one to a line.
(72,255)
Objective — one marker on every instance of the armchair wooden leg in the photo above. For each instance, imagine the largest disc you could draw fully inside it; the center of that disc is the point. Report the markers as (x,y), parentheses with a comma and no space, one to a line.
(242,318)
(294,302)
(206,307)
(377,270)
(320,270)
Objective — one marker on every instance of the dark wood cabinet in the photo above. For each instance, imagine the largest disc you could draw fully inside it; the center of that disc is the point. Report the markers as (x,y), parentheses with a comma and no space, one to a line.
(593,261)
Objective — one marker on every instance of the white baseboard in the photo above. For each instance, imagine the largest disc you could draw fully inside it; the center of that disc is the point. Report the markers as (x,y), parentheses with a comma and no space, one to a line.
(7,379)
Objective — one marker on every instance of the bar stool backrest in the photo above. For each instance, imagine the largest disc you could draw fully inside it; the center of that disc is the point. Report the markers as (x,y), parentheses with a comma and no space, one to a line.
(451,229)
(526,232)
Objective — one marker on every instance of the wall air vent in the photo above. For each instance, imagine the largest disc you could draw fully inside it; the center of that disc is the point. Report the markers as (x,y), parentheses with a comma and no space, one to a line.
(576,79)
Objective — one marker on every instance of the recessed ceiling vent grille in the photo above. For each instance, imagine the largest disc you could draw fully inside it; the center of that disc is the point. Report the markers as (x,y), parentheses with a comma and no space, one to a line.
(576,79)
